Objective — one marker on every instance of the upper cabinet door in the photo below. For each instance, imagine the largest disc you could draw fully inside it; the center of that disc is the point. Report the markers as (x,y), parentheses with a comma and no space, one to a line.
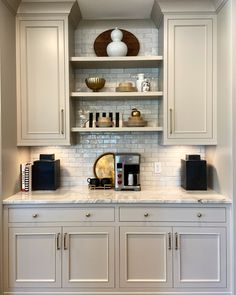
(42,82)
(189,81)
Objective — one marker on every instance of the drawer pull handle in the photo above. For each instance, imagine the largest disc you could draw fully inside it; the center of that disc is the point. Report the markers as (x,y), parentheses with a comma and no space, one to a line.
(58,242)
(65,242)
(169,241)
(176,241)
(146,214)
(88,214)
(35,215)
(199,215)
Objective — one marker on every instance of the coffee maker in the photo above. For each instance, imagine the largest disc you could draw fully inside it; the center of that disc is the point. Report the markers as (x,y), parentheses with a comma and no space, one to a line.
(127,171)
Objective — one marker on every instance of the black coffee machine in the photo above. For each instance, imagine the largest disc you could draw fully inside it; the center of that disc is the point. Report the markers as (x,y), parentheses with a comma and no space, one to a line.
(127,171)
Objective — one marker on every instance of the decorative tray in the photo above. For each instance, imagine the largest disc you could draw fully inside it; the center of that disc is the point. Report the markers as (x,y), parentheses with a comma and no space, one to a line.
(104,166)
(94,187)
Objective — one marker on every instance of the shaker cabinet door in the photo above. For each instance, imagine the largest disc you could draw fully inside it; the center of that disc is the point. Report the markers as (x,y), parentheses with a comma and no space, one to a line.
(200,257)
(190,104)
(42,87)
(145,257)
(88,257)
(34,257)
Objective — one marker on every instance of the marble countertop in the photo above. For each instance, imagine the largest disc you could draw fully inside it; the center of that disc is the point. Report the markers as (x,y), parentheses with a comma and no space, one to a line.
(86,196)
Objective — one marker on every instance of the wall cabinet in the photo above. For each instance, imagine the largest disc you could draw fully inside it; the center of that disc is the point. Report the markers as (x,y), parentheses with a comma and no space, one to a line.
(116,249)
(42,82)
(43,41)
(190,79)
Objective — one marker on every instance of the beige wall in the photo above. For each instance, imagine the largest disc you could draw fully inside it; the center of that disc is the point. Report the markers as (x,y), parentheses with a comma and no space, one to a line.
(10,155)
(220,156)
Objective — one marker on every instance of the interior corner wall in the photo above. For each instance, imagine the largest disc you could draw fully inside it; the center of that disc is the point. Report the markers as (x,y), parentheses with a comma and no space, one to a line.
(10,155)
(219,157)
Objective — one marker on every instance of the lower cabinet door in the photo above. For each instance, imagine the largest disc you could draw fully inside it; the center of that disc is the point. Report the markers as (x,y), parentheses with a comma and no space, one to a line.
(200,257)
(145,257)
(34,257)
(88,257)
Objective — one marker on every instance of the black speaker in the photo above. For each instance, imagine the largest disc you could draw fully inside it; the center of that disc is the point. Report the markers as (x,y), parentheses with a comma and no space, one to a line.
(46,175)
(194,174)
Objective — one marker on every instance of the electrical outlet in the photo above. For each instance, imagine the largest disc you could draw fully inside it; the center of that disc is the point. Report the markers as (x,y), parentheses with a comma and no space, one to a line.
(157,167)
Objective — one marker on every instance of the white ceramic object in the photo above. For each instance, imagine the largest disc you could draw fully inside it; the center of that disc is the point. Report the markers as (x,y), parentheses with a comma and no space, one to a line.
(139,81)
(117,47)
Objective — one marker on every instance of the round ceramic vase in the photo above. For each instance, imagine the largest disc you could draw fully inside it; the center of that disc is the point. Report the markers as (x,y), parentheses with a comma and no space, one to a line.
(117,47)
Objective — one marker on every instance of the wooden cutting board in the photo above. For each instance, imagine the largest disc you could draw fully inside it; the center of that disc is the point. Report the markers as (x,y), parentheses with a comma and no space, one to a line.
(101,42)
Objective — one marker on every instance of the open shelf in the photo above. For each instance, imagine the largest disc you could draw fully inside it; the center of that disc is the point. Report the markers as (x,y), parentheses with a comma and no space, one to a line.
(116,129)
(116,62)
(126,95)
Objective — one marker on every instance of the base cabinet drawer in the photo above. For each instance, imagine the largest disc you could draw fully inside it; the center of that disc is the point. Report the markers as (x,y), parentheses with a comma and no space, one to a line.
(57,214)
(160,214)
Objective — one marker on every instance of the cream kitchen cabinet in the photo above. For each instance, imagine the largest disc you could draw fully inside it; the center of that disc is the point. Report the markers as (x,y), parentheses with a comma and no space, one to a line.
(42,42)
(189,79)
(34,258)
(76,256)
(198,255)
(145,257)
(116,248)
(174,256)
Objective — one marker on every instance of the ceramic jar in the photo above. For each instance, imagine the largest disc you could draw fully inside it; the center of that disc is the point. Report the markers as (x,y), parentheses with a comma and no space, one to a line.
(117,47)
(139,81)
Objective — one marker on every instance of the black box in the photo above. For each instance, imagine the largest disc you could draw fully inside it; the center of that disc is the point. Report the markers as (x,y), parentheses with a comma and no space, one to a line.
(194,174)
(46,175)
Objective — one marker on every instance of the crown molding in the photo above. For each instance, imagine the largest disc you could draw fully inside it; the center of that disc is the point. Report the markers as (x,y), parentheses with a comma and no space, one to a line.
(12,5)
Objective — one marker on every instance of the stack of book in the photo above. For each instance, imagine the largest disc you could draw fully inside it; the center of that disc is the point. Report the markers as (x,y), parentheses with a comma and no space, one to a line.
(26,177)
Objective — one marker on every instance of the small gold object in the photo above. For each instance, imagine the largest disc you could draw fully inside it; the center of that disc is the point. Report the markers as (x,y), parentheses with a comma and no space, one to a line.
(95,83)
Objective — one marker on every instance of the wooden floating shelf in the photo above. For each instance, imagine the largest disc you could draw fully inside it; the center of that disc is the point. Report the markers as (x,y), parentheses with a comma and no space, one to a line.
(93,62)
(116,129)
(142,95)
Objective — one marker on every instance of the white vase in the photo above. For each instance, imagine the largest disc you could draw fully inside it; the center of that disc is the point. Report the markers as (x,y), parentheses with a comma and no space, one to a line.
(117,47)
(139,81)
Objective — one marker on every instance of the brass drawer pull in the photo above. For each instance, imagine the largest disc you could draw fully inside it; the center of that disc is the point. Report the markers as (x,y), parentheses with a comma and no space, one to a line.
(58,242)
(176,241)
(169,241)
(35,215)
(146,214)
(65,241)
(88,214)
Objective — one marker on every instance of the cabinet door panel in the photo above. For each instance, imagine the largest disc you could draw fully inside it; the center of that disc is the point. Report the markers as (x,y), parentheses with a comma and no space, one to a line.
(190,79)
(200,260)
(145,260)
(33,257)
(41,95)
(88,260)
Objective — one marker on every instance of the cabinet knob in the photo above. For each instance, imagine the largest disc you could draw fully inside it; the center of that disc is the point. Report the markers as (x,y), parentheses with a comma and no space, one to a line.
(146,214)
(35,215)
(88,214)
(199,214)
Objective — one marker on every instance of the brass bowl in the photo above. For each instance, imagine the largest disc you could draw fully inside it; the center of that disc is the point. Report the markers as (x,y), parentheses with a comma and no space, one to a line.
(95,83)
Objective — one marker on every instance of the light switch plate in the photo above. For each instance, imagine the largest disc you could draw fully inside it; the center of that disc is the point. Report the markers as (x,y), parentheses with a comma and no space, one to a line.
(157,167)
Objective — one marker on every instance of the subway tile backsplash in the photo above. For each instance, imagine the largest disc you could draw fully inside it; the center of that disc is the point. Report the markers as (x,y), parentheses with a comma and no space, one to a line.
(77,160)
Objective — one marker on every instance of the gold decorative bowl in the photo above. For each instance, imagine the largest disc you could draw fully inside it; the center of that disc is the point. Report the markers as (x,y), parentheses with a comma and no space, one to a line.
(95,83)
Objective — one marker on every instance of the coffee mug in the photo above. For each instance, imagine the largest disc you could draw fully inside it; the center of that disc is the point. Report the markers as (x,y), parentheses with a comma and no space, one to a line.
(106,181)
(94,181)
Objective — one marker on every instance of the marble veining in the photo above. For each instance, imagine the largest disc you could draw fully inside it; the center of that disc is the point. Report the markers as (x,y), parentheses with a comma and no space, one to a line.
(84,195)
